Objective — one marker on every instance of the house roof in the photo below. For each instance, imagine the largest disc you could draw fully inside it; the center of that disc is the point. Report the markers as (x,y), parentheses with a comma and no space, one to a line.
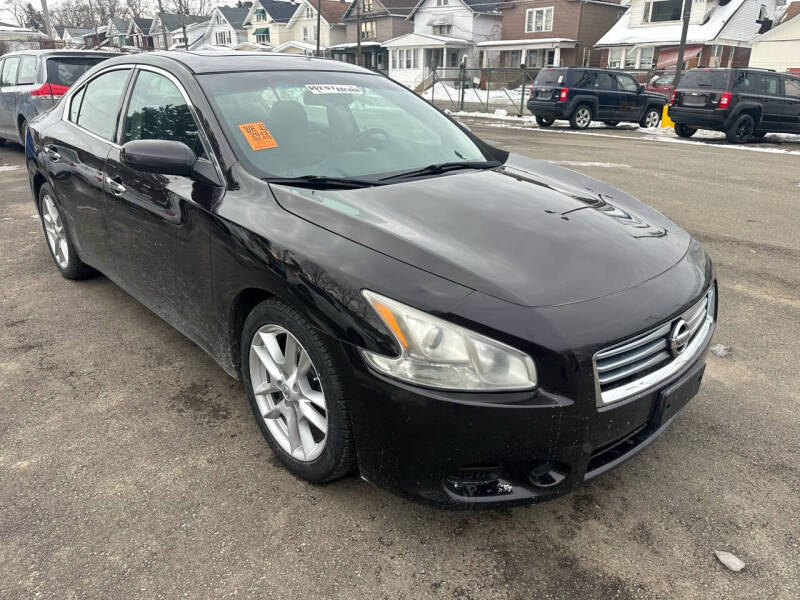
(120,24)
(331,10)
(279,10)
(783,31)
(425,40)
(476,6)
(174,21)
(77,31)
(622,34)
(234,15)
(390,7)
(790,12)
(142,24)
(59,30)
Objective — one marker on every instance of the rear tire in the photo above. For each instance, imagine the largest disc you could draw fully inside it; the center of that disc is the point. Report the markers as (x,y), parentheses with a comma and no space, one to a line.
(581,117)
(310,453)
(58,239)
(651,118)
(684,131)
(741,130)
(544,121)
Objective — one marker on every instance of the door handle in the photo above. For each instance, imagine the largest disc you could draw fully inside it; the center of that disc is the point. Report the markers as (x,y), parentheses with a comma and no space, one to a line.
(115,187)
(52,154)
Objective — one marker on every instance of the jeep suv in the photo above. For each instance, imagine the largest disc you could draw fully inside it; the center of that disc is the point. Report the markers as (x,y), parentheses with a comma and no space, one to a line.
(583,95)
(744,103)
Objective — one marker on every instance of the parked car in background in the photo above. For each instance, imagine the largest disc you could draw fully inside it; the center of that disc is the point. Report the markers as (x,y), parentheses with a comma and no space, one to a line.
(584,95)
(462,324)
(743,103)
(662,85)
(32,81)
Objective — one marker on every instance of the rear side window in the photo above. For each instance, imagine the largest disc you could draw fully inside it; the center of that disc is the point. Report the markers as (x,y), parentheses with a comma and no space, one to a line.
(580,78)
(9,76)
(550,77)
(770,84)
(792,87)
(27,70)
(158,111)
(746,81)
(65,70)
(101,102)
(603,81)
(699,78)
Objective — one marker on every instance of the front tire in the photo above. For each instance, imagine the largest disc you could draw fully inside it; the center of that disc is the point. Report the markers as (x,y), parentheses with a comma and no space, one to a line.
(651,118)
(545,121)
(296,392)
(684,131)
(58,240)
(741,130)
(581,117)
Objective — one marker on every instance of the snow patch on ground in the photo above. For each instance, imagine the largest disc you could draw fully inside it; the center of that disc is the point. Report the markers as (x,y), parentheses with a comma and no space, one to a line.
(8,168)
(604,165)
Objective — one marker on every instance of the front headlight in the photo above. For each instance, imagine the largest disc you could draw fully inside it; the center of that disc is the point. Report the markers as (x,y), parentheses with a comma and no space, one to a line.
(439,354)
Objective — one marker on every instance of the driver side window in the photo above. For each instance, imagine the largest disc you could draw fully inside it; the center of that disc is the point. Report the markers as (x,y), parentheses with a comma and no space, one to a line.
(627,83)
(158,111)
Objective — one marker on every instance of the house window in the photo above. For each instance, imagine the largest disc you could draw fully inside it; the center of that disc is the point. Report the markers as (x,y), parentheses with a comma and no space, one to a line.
(262,38)
(223,38)
(658,11)
(539,19)
(309,12)
(309,33)
(442,29)
(716,56)
(646,57)
(630,58)
(261,16)
(441,2)
(220,20)
(615,58)
(367,5)
(367,30)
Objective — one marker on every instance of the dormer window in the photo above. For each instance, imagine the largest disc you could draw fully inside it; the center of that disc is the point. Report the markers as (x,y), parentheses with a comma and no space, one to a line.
(659,11)
(309,12)
(441,2)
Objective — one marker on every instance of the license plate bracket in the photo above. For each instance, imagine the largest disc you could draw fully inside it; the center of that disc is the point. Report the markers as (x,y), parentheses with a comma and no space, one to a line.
(675,397)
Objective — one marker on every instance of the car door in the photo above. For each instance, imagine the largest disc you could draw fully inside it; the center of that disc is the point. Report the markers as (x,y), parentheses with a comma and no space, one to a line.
(74,152)
(607,96)
(8,112)
(791,88)
(772,99)
(159,225)
(631,100)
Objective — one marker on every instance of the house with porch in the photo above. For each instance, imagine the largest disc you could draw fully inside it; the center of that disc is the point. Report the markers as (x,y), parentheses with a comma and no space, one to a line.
(226,26)
(381,20)
(446,34)
(720,34)
(550,33)
(779,48)
(95,37)
(166,25)
(303,27)
(117,32)
(266,22)
(139,33)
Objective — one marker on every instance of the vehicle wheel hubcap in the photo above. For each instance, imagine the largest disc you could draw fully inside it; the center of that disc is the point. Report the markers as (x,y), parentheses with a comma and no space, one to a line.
(54,230)
(583,117)
(743,131)
(652,119)
(288,392)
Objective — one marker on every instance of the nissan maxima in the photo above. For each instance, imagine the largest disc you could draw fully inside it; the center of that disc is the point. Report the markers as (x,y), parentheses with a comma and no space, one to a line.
(459,324)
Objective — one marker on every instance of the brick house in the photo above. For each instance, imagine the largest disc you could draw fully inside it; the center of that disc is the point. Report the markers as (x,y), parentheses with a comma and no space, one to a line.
(541,33)
(720,34)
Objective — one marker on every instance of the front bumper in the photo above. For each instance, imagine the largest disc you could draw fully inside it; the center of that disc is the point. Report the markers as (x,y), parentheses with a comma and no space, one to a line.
(461,450)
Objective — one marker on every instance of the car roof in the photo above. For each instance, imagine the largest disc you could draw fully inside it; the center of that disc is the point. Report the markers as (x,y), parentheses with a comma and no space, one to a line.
(59,53)
(200,62)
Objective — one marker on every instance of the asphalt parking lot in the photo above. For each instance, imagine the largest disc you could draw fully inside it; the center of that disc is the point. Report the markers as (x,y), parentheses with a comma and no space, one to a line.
(131,466)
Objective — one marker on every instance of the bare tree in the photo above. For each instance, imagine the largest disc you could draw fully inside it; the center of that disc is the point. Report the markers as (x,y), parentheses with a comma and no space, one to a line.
(137,8)
(72,13)
(190,7)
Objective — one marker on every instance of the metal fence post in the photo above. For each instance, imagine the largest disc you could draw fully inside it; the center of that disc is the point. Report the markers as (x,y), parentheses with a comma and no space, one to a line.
(488,86)
(461,78)
(524,85)
(433,86)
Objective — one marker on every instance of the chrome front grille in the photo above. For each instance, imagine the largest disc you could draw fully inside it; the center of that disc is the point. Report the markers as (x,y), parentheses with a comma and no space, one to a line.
(650,358)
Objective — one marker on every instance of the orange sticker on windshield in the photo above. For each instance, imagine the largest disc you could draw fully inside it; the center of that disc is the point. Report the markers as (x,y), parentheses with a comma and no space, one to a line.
(258,136)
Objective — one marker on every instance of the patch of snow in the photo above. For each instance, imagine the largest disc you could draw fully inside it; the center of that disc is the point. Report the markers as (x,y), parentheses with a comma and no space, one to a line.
(578,163)
(731,561)
(8,168)
(720,350)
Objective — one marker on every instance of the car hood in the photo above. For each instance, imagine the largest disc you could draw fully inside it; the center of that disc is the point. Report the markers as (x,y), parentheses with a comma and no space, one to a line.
(528,232)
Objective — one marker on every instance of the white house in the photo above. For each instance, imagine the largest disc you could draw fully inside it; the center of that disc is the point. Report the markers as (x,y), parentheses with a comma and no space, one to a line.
(445,35)
(226,26)
(166,25)
(73,36)
(266,22)
(303,26)
(779,48)
(720,33)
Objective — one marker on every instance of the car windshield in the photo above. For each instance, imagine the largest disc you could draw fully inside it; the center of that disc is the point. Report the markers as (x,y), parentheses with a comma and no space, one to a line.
(550,77)
(65,70)
(332,124)
(699,78)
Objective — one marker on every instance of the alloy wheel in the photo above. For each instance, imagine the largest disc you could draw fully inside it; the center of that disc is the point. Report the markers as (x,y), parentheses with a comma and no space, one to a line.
(54,230)
(652,119)
(583,117)
(744,130)
(288,392)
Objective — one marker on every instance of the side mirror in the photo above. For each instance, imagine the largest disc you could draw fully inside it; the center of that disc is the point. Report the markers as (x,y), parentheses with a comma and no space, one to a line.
(641,88)
(159,156)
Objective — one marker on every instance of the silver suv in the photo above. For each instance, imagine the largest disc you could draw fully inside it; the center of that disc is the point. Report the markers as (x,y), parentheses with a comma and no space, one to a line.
(32,81)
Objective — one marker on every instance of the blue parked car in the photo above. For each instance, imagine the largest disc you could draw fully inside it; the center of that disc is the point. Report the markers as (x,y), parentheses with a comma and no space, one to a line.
(33,81)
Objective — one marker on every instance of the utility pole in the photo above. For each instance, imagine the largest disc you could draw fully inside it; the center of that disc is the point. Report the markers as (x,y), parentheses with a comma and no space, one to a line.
(183,29)
(358,32)
(163,27)
(319,21)
(94,22)
(687,14)
(46,14)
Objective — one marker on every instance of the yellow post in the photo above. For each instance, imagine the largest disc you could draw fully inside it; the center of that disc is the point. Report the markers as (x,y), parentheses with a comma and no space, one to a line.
(665,120)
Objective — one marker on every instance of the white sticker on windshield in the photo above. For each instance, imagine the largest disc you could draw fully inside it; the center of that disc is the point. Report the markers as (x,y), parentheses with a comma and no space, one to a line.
(327,88)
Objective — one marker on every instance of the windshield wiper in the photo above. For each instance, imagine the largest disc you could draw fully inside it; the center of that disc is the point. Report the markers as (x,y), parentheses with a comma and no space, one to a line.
(438,168)
(322,181)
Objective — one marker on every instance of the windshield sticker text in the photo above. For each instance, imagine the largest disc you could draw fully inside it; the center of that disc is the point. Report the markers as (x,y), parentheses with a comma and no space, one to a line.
(258,136)
(325,88)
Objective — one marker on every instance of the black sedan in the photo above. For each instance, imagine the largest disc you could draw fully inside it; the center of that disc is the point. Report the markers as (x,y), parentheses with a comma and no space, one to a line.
(462,325)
